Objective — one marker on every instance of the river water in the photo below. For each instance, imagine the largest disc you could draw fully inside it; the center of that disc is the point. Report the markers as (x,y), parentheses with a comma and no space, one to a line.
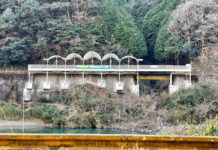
(53,130)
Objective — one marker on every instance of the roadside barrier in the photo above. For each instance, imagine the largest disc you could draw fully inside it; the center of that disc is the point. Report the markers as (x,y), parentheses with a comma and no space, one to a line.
(104,141)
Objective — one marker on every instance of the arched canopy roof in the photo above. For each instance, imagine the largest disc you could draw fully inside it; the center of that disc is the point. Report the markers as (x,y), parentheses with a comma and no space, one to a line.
(91,54)
(73,55)
(126,57)
(54,56)
(110,55)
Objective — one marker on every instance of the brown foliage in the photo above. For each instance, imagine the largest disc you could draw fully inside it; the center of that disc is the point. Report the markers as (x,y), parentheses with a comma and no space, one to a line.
(196,20)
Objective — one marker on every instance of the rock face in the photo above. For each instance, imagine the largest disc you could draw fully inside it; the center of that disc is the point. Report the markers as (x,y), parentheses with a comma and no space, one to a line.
(12,85)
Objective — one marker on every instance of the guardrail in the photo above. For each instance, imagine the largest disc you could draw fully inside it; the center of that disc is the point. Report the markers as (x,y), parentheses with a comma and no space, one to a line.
(112,68)
(13,71)
(93,141)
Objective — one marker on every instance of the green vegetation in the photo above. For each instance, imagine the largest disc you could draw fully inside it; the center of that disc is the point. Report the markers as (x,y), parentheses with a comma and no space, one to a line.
(47,113)
(84,106)
(159,31)
(10,111)
(209,128)
(155,30)
(89,106)
(121,26)
(189,112)
(192,105)
(155,16)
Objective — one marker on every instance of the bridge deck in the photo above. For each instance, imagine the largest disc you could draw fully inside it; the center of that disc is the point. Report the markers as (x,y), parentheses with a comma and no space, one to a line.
(113,68)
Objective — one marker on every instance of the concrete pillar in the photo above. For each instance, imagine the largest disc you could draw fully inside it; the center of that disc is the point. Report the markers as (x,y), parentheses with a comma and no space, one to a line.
(26,95)
(110,62)
(65,84)
(83,77)
(137,64)
(47,72)
(171,79)
(137,78)
(119,72)
(101,78)
(47,85)
(119,77)
(74,63)
(190,78)
(29,84)
(56,62)
(172,88)
(128,63)
(29,76)
(65,72)
(101,73)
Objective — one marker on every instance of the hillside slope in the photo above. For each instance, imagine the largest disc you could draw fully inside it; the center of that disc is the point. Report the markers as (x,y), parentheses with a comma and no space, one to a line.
(160,31)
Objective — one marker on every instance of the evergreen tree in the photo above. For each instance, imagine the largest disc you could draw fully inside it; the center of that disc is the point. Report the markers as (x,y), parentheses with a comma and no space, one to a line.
(19,26)
(155,19)
(121,26)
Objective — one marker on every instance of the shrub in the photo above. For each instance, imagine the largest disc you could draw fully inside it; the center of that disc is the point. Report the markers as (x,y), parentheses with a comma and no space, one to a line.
(192,105)
(207,129)
(48,114)
(43,99)
(12,112)
(64,97)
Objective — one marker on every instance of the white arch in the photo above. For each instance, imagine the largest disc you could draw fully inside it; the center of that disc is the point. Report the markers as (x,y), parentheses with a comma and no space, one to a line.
(73,55)
(91,54)
(126,57)
(109,56)
(54,56)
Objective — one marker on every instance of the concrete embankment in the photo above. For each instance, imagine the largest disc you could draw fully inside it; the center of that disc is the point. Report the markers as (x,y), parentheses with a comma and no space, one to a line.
(93,142)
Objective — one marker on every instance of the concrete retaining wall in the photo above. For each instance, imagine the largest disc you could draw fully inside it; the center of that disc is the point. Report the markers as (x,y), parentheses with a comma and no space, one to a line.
(12,85)
(110,81)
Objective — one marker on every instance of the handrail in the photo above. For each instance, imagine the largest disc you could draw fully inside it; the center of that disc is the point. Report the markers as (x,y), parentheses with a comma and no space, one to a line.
(42,67)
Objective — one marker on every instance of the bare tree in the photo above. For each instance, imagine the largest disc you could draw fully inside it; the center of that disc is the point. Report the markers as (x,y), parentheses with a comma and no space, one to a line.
(196,20)
(79,10)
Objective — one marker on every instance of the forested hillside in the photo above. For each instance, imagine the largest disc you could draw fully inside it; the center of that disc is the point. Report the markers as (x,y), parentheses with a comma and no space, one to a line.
(160,31)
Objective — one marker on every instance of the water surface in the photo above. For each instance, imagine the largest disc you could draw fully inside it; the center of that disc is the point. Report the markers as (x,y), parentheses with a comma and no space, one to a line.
(55,130)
